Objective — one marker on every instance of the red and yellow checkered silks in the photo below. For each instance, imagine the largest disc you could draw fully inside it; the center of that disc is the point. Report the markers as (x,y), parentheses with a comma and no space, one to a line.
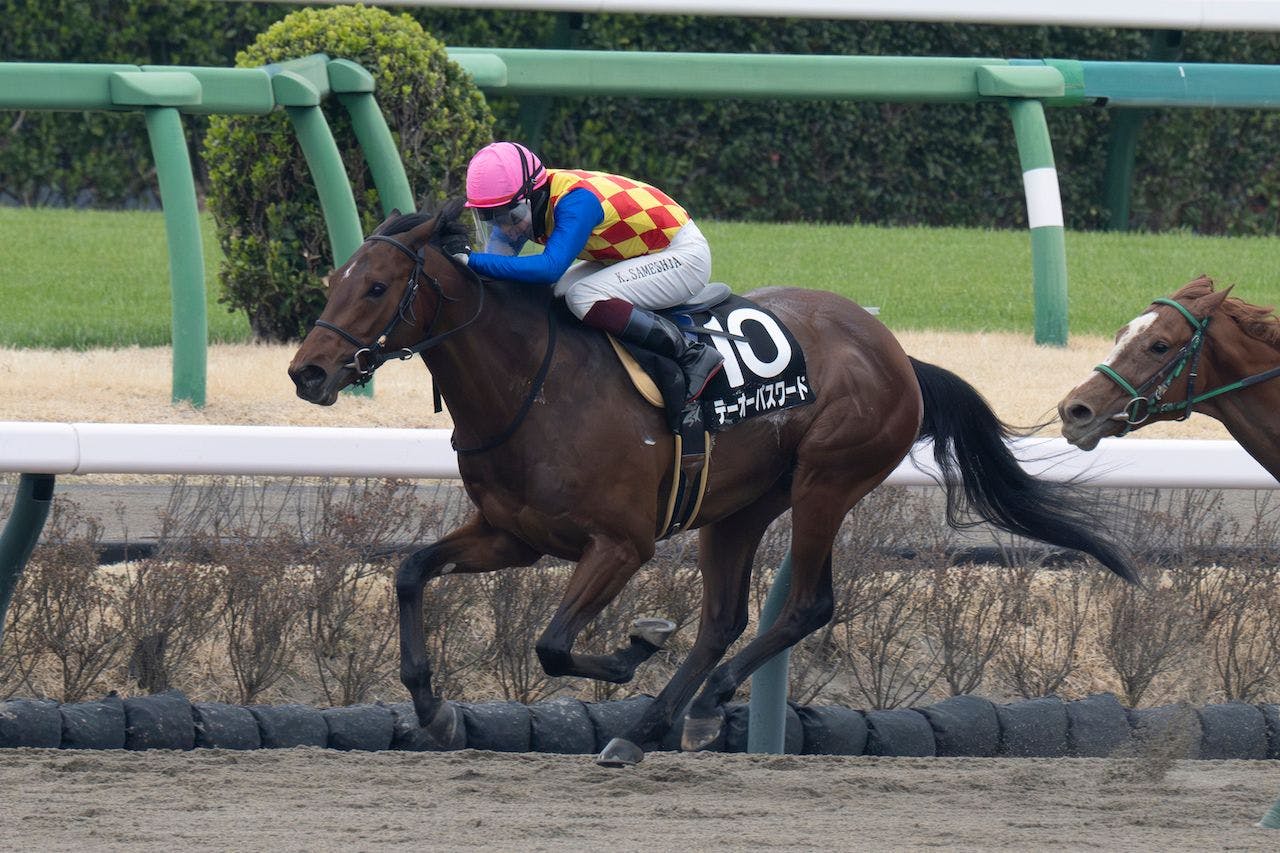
(638,218)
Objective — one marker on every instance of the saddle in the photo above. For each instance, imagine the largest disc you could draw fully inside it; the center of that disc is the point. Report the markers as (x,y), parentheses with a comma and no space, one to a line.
(764,372)
(692,454)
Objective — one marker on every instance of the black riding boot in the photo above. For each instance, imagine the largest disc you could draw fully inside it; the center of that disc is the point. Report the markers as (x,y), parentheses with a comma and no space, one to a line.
(699,362)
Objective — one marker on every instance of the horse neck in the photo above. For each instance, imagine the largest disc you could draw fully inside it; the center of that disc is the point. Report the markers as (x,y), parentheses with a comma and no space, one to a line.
(1248,414)
(483,371)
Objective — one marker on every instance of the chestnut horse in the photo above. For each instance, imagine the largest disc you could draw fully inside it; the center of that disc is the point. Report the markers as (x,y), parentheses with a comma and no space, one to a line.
(1203,350)
(562,457)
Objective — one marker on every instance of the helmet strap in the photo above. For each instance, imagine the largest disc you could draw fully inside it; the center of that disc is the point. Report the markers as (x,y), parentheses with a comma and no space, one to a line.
(538,207)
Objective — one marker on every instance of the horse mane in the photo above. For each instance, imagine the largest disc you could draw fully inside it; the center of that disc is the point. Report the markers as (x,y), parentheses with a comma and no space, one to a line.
(448,225)
(1256,321)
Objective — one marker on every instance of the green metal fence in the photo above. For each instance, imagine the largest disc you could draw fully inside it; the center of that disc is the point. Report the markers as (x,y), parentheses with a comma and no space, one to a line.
(164,94)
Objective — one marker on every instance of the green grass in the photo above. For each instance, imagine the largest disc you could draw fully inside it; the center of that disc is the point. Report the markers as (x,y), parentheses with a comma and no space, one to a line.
(91,278)
(82,279)
(971,280)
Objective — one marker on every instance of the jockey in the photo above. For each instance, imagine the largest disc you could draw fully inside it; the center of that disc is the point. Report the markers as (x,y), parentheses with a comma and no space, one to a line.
(636,249)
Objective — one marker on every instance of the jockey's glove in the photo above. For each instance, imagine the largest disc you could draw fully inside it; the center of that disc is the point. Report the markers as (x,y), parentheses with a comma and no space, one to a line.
(456,245)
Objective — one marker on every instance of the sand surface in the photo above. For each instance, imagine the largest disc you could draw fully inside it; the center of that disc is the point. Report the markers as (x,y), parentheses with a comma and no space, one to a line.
(313,800)
(248,385)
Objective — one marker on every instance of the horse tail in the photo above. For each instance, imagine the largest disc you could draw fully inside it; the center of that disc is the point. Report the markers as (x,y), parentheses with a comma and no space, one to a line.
(969,440)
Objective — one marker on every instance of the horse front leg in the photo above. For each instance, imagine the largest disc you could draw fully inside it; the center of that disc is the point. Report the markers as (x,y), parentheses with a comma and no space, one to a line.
(474,547)
(605,567)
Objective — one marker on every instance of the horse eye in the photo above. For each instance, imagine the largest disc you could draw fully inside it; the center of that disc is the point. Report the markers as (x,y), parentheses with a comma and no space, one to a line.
(1160,348)
(377,289)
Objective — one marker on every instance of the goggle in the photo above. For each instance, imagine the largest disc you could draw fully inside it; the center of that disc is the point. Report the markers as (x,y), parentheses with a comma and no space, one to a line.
(515,213)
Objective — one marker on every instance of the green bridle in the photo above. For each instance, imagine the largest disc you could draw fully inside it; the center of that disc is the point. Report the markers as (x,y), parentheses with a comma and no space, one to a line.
(1142,406)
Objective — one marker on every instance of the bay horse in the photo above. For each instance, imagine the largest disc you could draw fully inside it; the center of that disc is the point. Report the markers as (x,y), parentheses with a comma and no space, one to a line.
(1204,351)
(562,457)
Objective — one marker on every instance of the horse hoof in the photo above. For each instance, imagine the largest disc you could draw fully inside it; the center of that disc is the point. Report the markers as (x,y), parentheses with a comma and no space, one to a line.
(701,732)
(653,631)
(443,726)
(620,752)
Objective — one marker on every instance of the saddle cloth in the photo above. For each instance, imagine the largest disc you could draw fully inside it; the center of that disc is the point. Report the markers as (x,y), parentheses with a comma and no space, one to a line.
(764,366)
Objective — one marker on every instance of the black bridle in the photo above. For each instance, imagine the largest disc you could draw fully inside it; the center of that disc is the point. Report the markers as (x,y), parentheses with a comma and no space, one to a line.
(377,354)
(368,357)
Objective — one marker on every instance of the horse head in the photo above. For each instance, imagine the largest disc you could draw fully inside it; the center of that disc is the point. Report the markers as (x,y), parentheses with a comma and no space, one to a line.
(1155,354)
(383,304)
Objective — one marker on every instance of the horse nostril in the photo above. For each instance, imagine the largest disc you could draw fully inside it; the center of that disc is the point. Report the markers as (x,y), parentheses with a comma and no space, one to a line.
(1078,413)
(308,379)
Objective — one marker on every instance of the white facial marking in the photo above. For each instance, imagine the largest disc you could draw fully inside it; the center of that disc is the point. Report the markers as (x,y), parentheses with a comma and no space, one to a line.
(346,275)
(1137,327)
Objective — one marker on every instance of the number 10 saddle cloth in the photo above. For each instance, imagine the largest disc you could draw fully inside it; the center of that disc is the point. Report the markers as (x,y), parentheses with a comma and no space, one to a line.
(764,371)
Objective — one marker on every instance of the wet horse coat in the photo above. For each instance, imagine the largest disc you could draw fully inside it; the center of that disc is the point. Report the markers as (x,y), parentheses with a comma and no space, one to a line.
(584,474)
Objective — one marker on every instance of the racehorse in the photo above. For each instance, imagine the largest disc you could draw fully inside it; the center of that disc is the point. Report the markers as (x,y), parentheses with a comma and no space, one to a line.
(562,457)
(1202,349)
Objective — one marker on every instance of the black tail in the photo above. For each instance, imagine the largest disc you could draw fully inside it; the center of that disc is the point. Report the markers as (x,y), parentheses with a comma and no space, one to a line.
(969,440)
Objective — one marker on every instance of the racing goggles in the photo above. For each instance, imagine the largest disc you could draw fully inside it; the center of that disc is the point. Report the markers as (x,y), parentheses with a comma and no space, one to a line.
(516,213)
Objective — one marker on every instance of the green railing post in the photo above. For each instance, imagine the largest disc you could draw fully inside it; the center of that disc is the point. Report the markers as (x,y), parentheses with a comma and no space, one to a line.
(1044,216)
(301,100)
(30,509)
(767,709)
(354,87)
(1122,139)
(186,254)
(159,95)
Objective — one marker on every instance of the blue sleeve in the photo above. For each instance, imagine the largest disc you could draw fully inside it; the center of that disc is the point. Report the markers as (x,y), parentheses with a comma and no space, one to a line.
(576,216)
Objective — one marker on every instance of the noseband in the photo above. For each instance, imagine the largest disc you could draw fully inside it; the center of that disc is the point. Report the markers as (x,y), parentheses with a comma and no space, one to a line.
(368,357)
(1142,406)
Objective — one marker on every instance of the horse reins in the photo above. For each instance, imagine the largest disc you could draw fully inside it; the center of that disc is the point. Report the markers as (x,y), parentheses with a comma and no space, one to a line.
(1140,408)
(377,354)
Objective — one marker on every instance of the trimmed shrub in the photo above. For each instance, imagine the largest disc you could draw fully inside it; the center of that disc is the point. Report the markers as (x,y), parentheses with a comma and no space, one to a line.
(261,193)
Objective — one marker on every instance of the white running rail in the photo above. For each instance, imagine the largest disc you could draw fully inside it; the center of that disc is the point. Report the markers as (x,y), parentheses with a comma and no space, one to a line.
(94,448)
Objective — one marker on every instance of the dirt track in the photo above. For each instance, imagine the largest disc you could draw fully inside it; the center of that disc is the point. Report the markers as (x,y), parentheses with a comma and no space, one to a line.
(248,385)
(306,799)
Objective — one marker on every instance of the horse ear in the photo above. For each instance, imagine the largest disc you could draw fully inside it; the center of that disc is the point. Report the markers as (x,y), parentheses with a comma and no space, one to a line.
(395,214)
(1207,305)
(452,209)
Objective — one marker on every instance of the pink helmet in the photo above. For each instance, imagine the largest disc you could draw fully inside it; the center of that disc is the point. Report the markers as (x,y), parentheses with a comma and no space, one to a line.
(502,173)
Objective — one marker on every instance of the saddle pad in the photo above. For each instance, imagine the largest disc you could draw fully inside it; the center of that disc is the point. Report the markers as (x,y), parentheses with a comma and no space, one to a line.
(764,373)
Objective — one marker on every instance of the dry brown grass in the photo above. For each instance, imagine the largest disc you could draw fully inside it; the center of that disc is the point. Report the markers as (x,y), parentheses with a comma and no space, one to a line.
(247,384)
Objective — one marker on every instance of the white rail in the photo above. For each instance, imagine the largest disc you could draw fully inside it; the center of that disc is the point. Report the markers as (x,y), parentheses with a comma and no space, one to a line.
(1257,15)
(93,448)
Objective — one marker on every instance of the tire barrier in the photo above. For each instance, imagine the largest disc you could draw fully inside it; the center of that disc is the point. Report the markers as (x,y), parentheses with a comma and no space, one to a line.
(1097,726)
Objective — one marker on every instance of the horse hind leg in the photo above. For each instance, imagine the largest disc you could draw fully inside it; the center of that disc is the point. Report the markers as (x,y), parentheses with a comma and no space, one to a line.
(474,547)
(726,552)
(817,512)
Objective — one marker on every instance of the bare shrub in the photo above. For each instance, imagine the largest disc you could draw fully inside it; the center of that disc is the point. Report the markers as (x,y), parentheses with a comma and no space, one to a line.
(351,616)
(1149,633)
(72,617)
(264,603)
(966,621)
(19,647)
(889,664)
(1244,641)
(167,609)
(520,603)
(1048,615)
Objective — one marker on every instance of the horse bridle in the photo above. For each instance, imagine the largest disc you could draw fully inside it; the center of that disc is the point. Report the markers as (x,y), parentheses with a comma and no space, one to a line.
(376,352)
(1142,406)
